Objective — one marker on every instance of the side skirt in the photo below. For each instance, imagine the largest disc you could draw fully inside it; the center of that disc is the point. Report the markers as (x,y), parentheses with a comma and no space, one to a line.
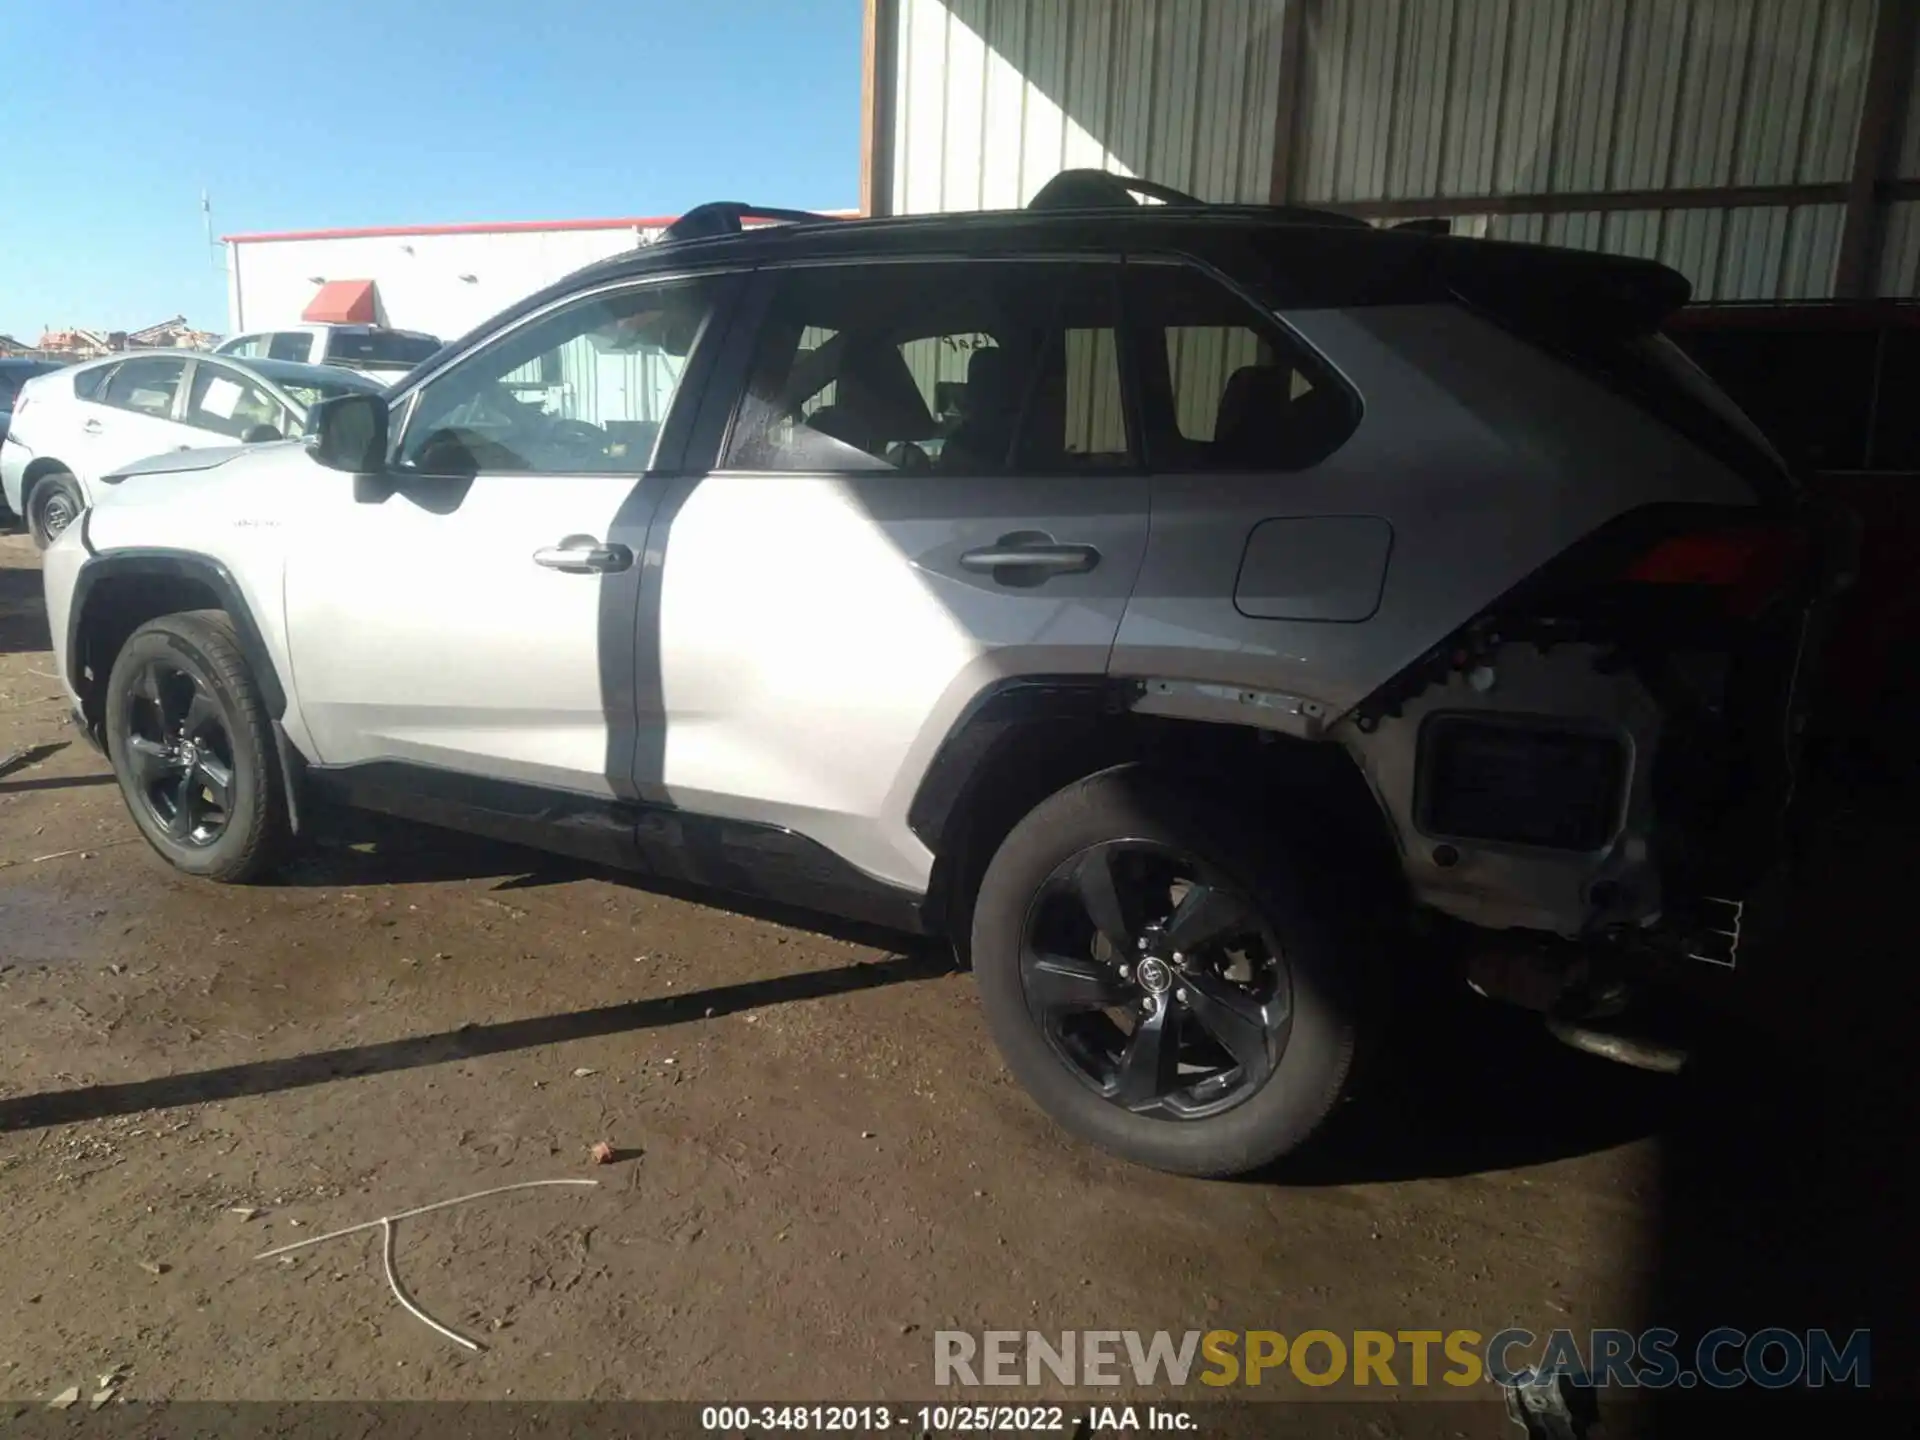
(741,857)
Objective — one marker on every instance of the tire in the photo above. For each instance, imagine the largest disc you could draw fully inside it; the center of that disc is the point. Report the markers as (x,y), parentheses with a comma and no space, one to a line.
(54,504)
(1130,821)
(187,670)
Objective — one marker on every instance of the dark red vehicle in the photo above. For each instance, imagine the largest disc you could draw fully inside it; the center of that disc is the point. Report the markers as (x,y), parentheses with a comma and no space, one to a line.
(1837,388)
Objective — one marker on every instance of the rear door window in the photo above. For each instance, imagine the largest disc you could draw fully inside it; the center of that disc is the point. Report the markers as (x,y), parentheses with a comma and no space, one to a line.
(289,345)
(1223,386)
(228,403)
(962,368)
(378,349)
(146,387)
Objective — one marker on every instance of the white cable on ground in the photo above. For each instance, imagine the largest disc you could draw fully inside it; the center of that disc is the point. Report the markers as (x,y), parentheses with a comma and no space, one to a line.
(385,1225)
(393,1280)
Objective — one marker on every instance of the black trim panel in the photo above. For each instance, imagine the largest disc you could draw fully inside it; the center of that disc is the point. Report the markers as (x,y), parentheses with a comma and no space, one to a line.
(761,862)
(119,565)
(985,726)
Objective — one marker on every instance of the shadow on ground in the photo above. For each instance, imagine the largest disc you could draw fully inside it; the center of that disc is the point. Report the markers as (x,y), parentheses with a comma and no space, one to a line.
(23,612)
(262,1077)
(1789,1189)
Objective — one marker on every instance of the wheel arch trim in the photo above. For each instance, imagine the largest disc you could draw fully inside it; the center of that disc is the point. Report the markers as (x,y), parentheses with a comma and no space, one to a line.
(118,565)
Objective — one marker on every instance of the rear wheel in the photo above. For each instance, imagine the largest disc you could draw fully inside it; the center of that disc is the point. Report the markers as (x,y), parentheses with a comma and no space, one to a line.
(193,749)
(55,504)
(1158,974)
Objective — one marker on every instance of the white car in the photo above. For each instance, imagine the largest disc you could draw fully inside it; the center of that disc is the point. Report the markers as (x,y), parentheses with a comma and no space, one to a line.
(72,426)
(372,350)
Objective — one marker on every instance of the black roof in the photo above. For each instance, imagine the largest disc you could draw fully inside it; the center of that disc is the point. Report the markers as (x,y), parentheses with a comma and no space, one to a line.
(1298,258)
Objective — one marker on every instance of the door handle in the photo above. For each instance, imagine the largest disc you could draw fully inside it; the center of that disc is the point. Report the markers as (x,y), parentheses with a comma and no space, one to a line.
(1033,560)
(93,427)
(583,555)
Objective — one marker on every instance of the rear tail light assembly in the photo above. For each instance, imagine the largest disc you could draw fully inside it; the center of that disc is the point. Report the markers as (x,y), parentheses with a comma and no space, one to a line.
(1746,565)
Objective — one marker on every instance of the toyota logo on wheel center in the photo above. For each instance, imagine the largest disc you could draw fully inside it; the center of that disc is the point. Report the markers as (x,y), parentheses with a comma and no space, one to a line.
(1155,975)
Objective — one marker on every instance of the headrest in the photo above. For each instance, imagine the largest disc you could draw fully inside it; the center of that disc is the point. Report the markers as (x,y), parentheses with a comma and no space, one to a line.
(990,380)
(1253,400)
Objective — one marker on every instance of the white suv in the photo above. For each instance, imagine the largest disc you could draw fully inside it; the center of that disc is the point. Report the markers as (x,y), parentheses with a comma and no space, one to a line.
(1165,603)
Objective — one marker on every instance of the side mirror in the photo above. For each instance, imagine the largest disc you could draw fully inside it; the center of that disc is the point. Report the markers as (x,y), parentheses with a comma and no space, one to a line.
(349,432)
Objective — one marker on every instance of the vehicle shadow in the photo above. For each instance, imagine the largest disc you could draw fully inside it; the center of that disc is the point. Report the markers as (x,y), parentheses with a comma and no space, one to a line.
(356,849)
(262,1077)
(1462,1086)
(1790,1180)
(23,612)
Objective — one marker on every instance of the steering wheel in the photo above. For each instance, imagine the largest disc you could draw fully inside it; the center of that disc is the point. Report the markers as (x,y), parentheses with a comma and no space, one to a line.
(578,436)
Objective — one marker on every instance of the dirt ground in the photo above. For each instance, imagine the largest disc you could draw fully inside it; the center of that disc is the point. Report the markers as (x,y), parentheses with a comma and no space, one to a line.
(819,1160)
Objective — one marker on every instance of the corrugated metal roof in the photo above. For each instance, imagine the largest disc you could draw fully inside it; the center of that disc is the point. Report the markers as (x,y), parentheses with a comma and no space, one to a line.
(1406,100)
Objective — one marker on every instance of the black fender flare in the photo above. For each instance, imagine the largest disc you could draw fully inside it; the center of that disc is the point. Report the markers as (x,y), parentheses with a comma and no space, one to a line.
(118,565)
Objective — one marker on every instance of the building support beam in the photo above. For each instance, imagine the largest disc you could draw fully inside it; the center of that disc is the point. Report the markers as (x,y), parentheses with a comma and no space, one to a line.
(1713,197)
(877,81)
(1883,114)
(1286,111)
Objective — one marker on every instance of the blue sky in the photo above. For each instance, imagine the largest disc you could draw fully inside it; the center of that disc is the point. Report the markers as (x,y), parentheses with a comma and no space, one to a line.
(114,116)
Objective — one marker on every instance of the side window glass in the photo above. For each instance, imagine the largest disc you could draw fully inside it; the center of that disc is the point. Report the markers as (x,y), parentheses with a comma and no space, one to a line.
(88,383)
(289,345)
(978,369)
(1225,388)
(584,389)
(228,404)
(145,386)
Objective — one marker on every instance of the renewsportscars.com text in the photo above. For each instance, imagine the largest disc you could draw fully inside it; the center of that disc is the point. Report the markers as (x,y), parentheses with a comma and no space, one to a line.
(1649,1359)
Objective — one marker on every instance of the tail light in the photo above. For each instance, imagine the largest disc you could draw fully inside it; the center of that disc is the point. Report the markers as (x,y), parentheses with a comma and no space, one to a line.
(1746,565)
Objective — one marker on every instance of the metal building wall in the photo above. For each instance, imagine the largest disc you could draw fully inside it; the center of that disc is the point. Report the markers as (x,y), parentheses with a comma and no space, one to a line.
(992,98)
(1423,107)
(1414,99)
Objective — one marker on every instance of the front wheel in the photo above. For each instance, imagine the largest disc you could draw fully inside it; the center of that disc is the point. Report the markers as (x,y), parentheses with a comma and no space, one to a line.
(193,749)
(1158,974)
(55,504)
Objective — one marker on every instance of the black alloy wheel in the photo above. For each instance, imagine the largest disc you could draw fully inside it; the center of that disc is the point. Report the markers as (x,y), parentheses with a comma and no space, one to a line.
(193,747)
(180,752)
(1155,980)
(1169,973)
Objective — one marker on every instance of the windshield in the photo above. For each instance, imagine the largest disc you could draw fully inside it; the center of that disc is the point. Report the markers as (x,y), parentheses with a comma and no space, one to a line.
(385,348)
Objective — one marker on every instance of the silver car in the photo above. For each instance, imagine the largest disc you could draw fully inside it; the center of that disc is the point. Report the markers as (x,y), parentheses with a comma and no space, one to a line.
(1183,610)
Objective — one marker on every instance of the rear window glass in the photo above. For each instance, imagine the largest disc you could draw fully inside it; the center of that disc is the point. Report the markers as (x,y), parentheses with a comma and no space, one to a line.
(87,383)
(379,347)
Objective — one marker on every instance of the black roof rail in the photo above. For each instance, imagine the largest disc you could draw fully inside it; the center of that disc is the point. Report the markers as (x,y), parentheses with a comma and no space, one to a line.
(1103,190)
(729,217)
(1099,189)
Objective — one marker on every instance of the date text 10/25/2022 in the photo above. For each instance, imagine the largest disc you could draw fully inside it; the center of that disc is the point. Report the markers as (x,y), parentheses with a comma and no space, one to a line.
(949,1419)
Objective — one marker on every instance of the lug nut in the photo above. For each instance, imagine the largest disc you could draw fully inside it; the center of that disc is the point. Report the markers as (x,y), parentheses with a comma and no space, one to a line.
(1178,958)
(1181,996)
(1126,972)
